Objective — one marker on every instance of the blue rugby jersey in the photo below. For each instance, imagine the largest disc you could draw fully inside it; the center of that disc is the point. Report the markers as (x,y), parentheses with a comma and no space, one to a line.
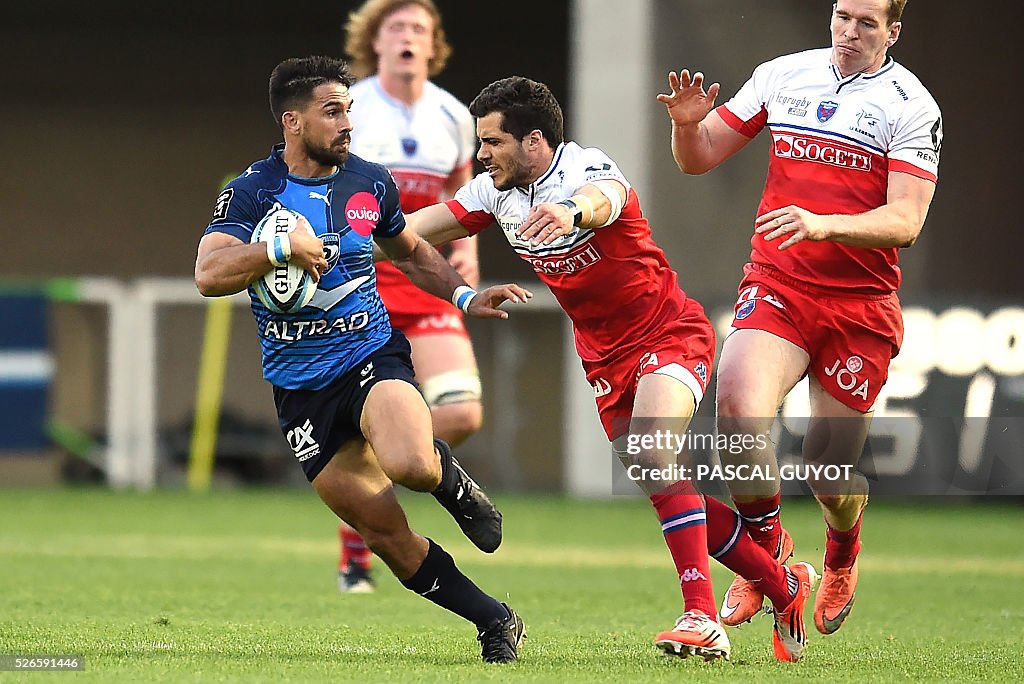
(345,321)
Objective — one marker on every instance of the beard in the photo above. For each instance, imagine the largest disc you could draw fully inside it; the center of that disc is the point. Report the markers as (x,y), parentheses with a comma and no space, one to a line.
(518,176)
(332,155)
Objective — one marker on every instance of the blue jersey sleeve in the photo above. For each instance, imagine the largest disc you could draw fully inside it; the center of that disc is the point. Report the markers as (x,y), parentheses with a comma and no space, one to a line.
(236,211)
(392,221)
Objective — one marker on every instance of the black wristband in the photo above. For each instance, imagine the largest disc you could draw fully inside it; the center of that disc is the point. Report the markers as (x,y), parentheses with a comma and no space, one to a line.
(577,212)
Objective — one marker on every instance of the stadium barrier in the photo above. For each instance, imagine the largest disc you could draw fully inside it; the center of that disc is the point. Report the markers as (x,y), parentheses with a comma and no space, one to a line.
(960,376)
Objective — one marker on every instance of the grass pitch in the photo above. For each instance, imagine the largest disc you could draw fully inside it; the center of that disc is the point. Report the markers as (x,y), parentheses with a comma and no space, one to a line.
(240,586)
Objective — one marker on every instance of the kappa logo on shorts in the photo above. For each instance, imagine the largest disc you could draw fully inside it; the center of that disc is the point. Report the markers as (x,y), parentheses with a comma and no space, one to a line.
(649,359)
(749,298)
(846,377)
(302,442)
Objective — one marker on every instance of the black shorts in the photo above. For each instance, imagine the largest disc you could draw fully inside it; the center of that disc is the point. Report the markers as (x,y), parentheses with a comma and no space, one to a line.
(317,422)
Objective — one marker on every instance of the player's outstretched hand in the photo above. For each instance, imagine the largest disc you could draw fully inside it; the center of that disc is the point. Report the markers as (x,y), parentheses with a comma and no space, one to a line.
(485,303)
(687,103)
(546,223)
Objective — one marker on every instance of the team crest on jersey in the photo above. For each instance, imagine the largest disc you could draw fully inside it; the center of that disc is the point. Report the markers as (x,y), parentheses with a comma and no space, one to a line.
(746,308)
(332,249)
(826,108)
(409,146)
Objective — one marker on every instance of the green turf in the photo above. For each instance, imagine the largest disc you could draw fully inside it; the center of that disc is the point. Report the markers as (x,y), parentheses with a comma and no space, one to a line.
(240,586)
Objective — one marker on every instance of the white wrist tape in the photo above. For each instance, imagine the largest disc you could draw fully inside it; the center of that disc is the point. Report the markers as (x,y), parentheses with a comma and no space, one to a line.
(279,250)
(462,296)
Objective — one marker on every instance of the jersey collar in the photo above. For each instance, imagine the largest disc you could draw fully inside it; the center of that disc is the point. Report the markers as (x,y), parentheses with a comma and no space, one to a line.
(531,190)
(841,82)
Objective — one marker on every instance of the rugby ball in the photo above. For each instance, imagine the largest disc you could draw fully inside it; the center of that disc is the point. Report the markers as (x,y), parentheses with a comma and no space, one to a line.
(286,288)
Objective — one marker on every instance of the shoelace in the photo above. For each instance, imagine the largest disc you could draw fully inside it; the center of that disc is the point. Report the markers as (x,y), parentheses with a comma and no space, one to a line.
(493,642)
(688,621)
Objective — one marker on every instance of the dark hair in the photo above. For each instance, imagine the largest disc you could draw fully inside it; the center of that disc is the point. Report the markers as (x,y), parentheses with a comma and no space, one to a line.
(526,106)
(293,81)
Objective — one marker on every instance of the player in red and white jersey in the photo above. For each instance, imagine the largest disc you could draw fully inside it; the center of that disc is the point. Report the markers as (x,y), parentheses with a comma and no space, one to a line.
(646,347)
(855,141)
(425,137)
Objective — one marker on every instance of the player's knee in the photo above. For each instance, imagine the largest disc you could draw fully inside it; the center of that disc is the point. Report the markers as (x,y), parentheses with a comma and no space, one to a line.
(733,408)
(736,423)
(454,423)
(837,501)
(419,470)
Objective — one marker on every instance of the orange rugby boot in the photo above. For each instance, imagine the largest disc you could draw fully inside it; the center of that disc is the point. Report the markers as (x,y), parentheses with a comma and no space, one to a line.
(835,598)
(743,600)
(789,636)
(695,634)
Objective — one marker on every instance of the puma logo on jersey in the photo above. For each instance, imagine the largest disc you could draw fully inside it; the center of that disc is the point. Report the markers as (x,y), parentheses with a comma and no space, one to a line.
(317,195)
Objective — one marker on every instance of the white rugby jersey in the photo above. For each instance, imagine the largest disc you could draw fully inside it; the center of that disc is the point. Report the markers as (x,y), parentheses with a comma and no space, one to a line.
(614,282)
(422,145)
(834,142)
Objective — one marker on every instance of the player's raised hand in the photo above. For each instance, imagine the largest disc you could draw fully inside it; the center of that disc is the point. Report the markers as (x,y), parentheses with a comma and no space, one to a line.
(485,303)
(546,223)
(687,103)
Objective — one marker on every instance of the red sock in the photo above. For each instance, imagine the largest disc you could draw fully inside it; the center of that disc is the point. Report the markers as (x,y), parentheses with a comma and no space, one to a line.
(729,544)
(353,549)
(761,518)
(681,512)
(841,548)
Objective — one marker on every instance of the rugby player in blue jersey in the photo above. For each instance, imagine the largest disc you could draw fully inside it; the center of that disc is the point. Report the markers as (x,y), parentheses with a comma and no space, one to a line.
(343,379)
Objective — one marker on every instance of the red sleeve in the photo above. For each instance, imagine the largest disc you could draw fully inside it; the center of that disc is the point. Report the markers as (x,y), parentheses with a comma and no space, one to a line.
(748,128)
(473,221)
(904,167)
